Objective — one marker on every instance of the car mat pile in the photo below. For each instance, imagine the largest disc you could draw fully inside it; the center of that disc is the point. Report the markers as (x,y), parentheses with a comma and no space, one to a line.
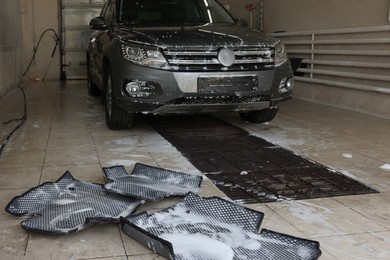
(68,205)
(150,183)
(212,228)
(193,229)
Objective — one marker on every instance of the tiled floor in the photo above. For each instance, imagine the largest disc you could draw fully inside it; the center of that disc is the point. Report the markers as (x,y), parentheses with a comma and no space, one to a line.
(65,130)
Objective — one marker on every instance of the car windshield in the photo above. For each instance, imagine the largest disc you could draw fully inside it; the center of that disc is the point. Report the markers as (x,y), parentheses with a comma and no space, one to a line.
(171,12)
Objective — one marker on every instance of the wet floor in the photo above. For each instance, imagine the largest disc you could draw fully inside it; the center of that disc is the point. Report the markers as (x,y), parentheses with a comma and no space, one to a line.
(65,130)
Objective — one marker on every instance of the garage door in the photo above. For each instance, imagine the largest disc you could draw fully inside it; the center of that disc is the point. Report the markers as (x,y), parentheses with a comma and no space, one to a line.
(75,16)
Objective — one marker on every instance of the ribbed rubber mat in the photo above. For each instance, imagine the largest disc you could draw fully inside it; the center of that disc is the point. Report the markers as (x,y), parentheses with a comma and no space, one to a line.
(247,168)
(150,183)
(68,206)
(212,228)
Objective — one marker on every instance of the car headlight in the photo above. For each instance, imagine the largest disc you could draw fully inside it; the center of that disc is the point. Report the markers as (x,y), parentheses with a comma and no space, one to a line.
(142,56)
(280,54)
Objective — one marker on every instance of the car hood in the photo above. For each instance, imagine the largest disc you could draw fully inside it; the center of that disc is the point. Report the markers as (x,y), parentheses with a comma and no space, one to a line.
(196,36)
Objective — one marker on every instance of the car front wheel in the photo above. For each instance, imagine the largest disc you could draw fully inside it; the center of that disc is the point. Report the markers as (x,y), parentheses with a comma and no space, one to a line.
(260,116)
(116,117)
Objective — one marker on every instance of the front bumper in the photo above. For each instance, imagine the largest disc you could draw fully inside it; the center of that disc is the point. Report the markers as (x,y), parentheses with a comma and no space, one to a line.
(178,92)
(187,106)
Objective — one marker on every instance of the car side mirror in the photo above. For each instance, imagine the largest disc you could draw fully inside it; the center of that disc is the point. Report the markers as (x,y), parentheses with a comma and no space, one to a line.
(98,23)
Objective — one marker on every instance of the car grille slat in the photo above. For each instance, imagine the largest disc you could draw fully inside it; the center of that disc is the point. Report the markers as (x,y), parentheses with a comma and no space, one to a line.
(191,53)
(207,60)
(194,62)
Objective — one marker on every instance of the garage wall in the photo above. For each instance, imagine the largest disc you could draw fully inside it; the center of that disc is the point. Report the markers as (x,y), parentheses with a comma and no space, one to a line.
(299,15)
(238,10)
(37,16)
(364,86)
(358,82)
(10,45)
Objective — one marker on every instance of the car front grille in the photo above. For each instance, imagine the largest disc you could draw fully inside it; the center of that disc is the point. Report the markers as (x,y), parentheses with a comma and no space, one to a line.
(207,60)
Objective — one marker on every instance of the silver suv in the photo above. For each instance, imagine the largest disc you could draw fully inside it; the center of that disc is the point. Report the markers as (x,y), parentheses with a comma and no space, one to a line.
(183,56)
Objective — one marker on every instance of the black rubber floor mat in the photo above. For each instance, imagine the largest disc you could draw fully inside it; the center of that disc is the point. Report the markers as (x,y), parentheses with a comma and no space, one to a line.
(68,206)
(150,183)
(212,228)
(247,168)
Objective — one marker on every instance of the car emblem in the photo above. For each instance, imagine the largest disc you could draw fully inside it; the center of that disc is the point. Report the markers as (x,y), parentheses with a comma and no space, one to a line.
(226,57)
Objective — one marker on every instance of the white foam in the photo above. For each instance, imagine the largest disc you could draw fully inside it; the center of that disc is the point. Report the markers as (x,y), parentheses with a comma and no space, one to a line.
(385,167)
(190,247)
(64,201)
(214,245)
(347,155)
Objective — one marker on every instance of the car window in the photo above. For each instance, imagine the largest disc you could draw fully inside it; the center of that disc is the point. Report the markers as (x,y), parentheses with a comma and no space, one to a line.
(171,12)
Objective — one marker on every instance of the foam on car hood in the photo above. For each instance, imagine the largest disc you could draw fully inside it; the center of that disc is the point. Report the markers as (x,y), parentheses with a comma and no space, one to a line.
(196,36)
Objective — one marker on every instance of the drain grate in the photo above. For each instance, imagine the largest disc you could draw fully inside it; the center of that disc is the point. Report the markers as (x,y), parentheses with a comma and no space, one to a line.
(247,168)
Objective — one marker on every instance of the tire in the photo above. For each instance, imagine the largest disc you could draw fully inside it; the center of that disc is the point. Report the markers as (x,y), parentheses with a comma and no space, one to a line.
(260,116)
(116,117)
(93,90)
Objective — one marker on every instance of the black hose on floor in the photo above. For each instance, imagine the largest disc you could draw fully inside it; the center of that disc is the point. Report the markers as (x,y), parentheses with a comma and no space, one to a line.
(20,120)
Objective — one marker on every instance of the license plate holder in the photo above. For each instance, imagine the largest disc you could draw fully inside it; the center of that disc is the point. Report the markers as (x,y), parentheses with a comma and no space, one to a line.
(224,85)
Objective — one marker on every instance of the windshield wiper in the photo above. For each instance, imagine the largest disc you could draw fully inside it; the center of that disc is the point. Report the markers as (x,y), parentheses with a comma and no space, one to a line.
(133,22)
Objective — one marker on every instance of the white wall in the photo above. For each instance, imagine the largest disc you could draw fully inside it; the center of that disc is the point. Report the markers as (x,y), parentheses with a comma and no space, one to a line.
(238,10)
(21,24)
(10,45)
(314,15)
(37,16)
(299,15)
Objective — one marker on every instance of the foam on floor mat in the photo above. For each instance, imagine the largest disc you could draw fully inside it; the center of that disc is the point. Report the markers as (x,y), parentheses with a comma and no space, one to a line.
(212,228)
(150,183)
(68,206)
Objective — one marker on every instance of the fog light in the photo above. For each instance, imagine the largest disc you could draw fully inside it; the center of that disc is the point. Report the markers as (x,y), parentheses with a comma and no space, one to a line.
(290,83)
(139,88)
(133,88)
(286,85)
